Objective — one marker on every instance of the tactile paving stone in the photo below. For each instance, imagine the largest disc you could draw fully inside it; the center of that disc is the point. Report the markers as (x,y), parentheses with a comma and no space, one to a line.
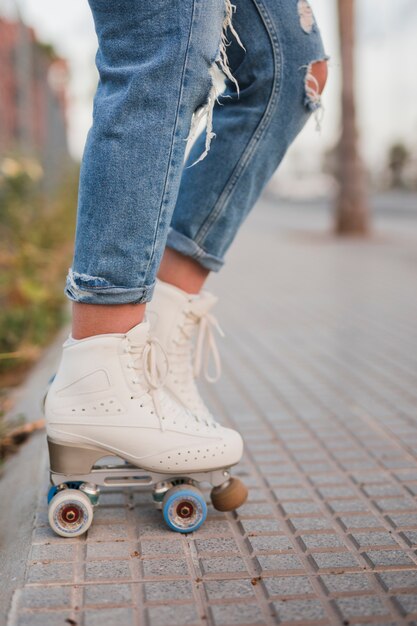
(320,376)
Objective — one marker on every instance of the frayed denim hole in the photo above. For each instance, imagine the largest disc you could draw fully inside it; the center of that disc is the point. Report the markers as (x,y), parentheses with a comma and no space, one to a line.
(85,282)
(220,64)
(312,98)
(306,15)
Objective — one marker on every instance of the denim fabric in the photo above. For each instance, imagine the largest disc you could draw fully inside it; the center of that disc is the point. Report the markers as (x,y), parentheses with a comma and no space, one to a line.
(135,195)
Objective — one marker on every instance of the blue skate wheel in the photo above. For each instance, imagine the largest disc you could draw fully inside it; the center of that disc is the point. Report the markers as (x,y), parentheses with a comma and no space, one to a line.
(184,509)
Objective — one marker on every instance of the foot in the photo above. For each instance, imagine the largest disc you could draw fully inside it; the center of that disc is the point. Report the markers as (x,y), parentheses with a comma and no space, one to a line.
(184,326)
(107,395)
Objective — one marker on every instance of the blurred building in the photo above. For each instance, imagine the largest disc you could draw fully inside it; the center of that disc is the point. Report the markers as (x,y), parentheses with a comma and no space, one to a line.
(33,84)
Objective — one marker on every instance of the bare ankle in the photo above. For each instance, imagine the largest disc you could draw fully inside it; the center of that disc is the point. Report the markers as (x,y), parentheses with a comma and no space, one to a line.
(182,271)
(99,319)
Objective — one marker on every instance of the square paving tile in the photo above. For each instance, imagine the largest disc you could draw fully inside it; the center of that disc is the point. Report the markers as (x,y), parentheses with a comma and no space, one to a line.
(334,560)
(168,590)
(182,615)
(364,540)
(228,589)
(236,614)
(320,541)
(407,603)
(220,565)
(388,558)
(164,567)
(343,583)
(280,562)
(100,595)
(299,610)
(45,597)
(288,586)
(273,543)
(98,617)
(399,580)
(107,570)
(360,606)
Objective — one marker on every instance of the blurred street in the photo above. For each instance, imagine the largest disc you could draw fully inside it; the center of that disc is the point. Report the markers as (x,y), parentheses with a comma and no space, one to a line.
(320,376)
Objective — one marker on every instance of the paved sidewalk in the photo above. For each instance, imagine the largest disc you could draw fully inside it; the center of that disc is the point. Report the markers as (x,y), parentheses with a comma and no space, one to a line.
(320,376)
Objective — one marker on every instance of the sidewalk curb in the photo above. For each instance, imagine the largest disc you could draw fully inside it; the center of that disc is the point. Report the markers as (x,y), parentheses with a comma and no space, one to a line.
(21,480)
(19,490)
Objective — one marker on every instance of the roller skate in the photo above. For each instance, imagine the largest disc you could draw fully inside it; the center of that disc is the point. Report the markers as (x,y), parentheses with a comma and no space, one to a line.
(185,326)
(107,400)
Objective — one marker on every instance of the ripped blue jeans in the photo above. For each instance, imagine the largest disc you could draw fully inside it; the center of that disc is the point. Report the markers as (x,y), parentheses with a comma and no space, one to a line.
(157,63)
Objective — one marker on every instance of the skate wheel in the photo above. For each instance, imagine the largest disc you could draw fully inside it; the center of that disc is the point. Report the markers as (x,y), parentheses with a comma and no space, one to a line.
(70,513)
(230,495)
(184,508)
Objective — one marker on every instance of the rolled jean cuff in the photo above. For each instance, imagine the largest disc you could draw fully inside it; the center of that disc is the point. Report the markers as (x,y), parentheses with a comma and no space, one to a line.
(95,290)
(179,242)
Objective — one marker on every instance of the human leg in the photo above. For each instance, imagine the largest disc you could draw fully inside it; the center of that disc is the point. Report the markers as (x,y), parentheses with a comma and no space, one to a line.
(154,63)
(99,319)
(281,74)
(185,272)
(279,82)
(182,271)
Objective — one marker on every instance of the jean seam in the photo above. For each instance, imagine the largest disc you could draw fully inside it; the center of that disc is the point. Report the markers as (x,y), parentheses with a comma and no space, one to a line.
(259,131)
(180,99)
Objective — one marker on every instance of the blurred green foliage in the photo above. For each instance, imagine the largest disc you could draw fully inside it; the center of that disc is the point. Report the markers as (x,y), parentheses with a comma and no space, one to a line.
(36,231)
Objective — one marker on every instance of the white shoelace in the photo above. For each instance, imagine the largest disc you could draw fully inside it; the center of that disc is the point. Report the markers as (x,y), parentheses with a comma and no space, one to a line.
(153,377)
(186,366)
(205,352)
(206,348)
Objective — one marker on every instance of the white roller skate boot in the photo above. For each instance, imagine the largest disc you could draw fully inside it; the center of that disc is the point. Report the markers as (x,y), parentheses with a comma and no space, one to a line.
(107,399)
(184,326)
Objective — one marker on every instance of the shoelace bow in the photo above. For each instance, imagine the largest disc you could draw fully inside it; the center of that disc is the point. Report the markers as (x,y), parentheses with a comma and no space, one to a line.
(154,378)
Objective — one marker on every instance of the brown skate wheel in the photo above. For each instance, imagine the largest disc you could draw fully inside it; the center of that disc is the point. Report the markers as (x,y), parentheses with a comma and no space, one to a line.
(229,496)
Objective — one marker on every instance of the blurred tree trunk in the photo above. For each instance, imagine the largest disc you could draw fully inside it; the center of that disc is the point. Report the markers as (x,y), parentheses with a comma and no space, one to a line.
(352,210)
